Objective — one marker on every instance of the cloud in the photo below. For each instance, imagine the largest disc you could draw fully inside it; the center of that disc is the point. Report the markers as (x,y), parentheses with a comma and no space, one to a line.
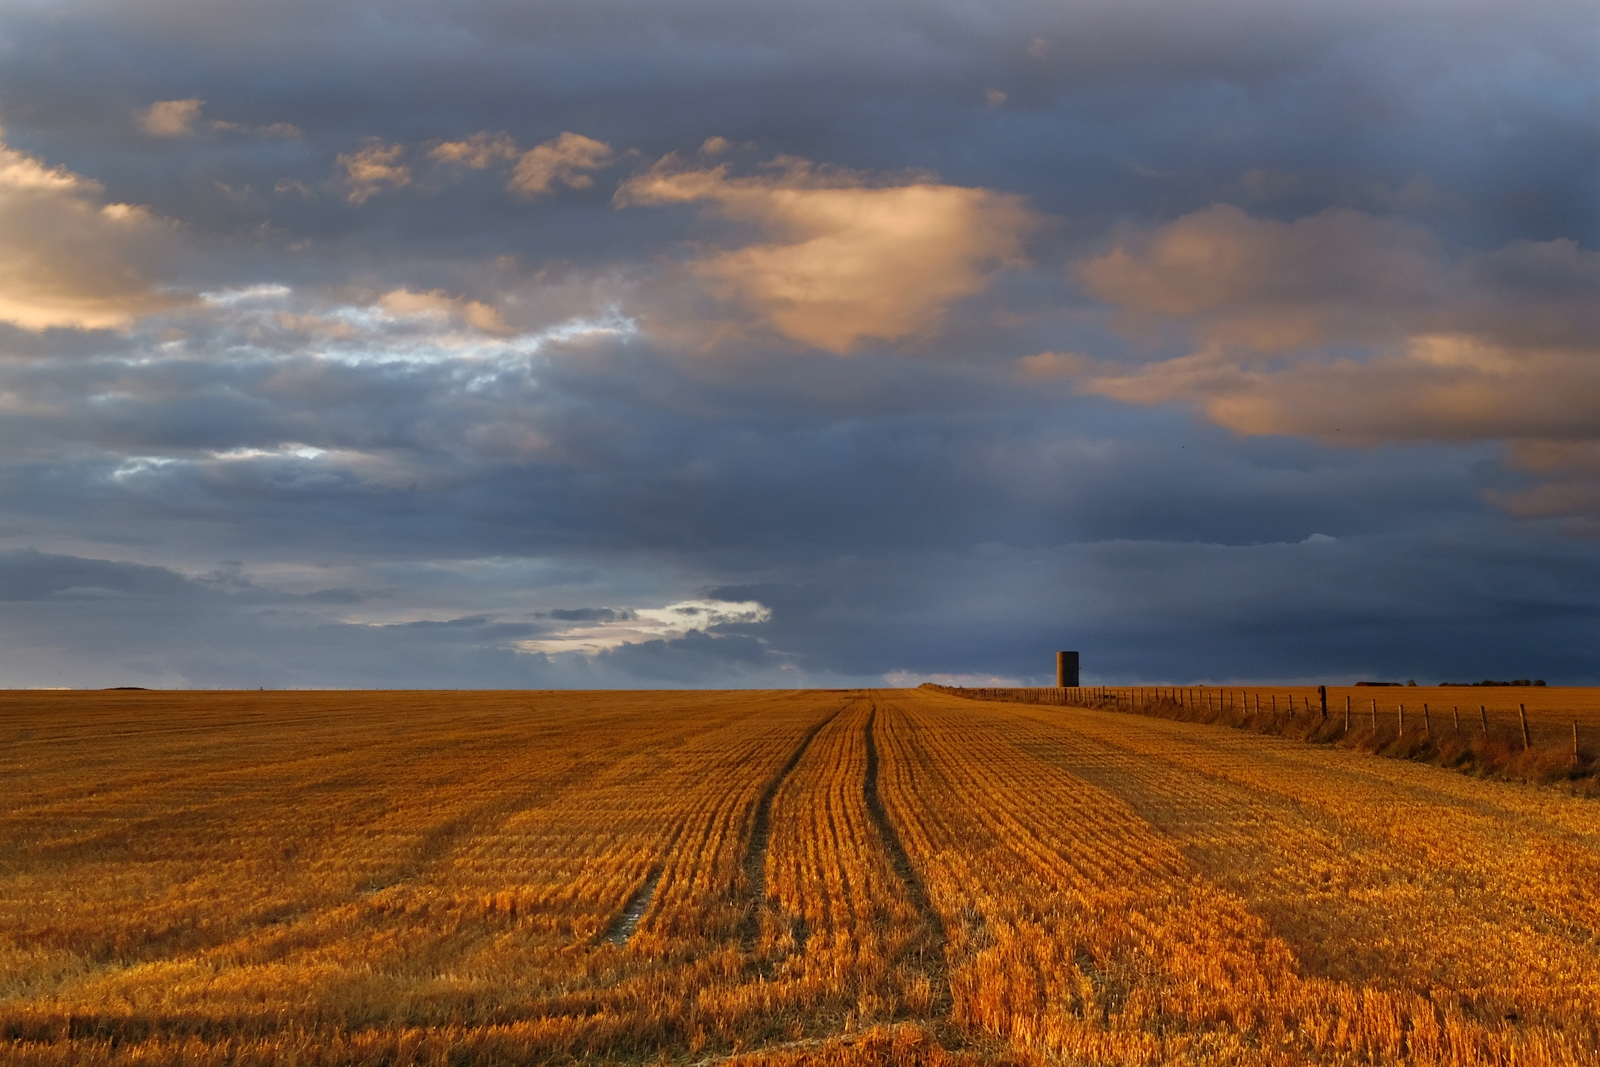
(372,168)
(181,118)
(171,118)
(479,151)
(437,304)
(1354,329)
(1268,286)
(956,513)
(1044,366)
(845,261)
(591,614)
(694,659)
(592,631)
(67,259)
(563,161)
(1359,330)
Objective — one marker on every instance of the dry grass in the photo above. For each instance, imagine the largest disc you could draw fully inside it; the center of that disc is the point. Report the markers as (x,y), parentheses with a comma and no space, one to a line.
(1477,730)
(825,878)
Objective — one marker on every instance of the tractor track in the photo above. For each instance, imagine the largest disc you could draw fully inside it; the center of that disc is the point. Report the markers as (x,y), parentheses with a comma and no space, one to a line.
(931,955)
(755,858)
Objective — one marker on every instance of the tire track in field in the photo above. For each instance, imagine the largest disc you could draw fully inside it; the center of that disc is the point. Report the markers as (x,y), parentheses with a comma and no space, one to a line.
(755,857)
(932,960)
(627,920)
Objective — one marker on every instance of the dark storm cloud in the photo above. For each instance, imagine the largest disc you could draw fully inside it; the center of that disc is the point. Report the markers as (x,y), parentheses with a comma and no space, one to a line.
(442,319)
(590,615)
(697,659)
(152,626)
(1323,608)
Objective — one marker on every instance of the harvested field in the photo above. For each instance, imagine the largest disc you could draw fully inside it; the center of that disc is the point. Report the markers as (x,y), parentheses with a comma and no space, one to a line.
(767,878)
(1524,733)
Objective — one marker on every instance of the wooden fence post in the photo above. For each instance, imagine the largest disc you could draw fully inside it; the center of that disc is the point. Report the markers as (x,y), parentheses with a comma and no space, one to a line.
(1346,714)
(1402,718)
(1574,740)
(1527,742)
(1455,713)
(1322,695)
(1427,722)
(1374,717)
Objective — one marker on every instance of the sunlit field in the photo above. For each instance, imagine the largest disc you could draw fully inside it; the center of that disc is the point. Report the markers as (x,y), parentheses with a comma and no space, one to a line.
(1517,733)
(863,877)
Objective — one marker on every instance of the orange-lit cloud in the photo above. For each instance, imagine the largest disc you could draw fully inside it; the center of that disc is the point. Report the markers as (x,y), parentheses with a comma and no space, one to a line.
(171,118)
(69,260)
(1270,286)
(1343,324)
(181,118)
(372,168)
(437,304)
(1360,330)
(479,151)
(566,160)
(844,261)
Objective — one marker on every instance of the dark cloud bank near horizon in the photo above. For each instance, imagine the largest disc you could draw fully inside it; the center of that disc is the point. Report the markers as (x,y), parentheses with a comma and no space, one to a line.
(481,345)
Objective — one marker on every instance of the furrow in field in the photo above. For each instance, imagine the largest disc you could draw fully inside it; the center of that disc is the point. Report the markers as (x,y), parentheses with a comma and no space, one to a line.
(842,944)
(755,860)
(930,945)
(628,920)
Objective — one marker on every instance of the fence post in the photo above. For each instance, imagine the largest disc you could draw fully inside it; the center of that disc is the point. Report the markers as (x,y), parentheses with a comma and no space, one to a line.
(1527,742)
(1483,716)
(1374,717)
(1455,713)
(1574,740)
(1322,695)
(1347,714)
(1402,718)
(1427,722)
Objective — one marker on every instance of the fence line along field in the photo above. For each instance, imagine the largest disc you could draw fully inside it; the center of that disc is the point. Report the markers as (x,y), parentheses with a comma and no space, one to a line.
(1517,732)
(864,877)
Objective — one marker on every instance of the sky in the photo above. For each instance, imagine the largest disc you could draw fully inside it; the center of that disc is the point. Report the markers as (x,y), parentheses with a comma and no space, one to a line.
(489,344)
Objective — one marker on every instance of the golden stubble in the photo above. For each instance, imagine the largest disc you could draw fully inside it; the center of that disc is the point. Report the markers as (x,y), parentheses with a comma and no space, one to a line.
(808,877)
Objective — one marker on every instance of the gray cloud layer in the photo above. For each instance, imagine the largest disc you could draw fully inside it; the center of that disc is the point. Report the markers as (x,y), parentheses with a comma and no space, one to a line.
(481,344)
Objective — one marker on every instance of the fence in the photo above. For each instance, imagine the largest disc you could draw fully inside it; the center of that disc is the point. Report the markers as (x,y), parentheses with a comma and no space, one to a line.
(1544,744)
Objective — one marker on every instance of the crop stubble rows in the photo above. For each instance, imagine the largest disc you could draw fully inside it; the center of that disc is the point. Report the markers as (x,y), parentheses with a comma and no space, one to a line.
(773,878)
